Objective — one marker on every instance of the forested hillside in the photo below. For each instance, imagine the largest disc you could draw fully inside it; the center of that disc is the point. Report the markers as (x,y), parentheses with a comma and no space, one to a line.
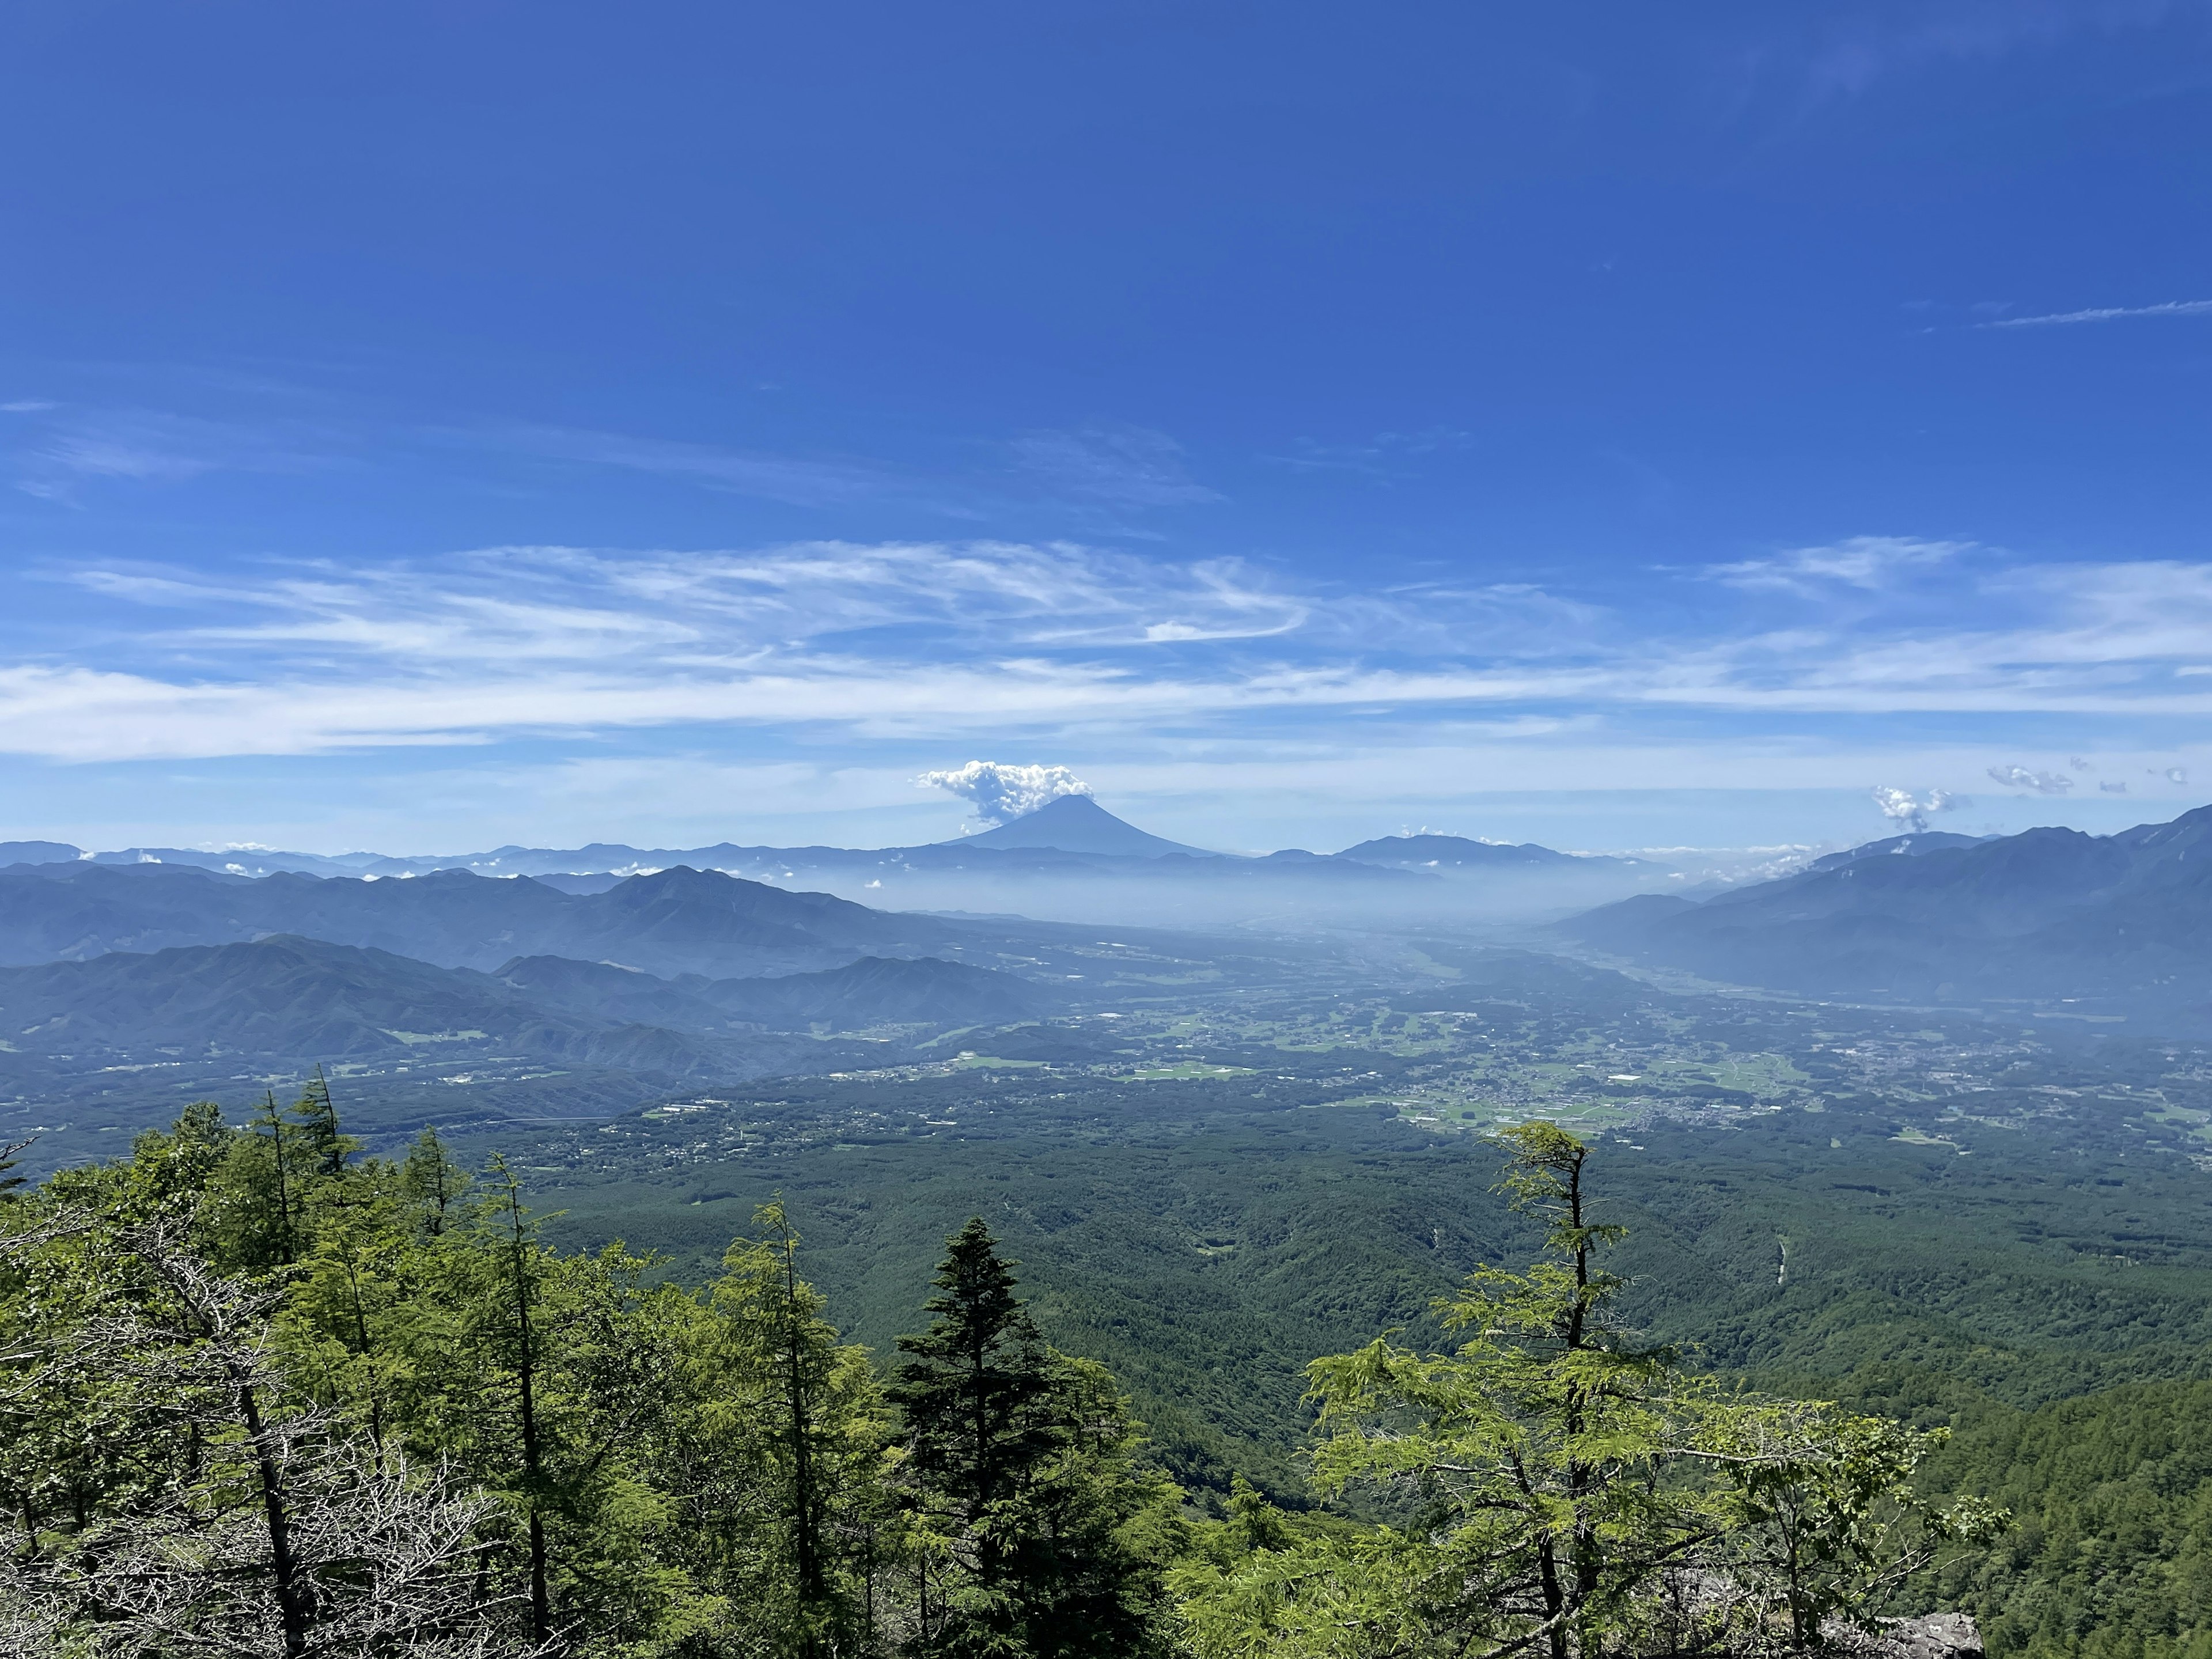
(2076,925)
(265,1395)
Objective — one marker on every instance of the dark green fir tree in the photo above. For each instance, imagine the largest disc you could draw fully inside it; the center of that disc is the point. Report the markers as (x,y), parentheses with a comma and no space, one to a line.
(1032,1512)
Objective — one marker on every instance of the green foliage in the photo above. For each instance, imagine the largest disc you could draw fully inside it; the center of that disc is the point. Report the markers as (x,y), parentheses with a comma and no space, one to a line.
(2111,1554)
(1555,1484)
(1034,1530)
(304,1360)
(786,1436)
(260,1393)
(179,1486)
(258,1387)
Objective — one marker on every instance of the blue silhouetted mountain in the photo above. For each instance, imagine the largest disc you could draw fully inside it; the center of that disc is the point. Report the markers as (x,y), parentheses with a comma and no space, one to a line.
(305,999)
(671,921)
(38,852)
(2088,926)
(670,924)
(1070,840)
(1918,844)
(1077,823)
(873,991)
(1457,852)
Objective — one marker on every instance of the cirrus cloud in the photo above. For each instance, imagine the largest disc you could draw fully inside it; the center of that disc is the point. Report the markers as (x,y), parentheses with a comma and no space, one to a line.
(1027,640)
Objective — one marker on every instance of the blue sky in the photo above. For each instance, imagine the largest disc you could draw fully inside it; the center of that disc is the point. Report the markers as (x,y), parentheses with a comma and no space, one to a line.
(430,426)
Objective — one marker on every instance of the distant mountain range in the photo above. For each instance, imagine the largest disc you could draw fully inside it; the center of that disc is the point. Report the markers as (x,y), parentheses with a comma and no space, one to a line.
(873,991)
(1071,860)
(2053,922)
(1070,832)
(576,982)
(131,983)
(308,999)
(127,988)
(673,921)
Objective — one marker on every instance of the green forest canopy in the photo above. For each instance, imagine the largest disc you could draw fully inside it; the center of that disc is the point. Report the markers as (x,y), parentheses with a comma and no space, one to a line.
(264,1394)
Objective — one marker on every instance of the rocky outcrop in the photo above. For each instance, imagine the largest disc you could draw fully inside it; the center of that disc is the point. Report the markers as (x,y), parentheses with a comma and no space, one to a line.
(1933,1636)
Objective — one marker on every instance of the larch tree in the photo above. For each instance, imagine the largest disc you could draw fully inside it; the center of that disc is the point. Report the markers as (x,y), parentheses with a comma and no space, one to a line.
(1556,1486)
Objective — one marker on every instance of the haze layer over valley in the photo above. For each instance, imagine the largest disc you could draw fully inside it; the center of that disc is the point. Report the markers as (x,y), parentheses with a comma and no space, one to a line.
(856,832)
(525,984)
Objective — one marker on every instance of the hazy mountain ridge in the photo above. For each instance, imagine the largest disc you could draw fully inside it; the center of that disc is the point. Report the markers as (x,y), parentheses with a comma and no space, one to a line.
(678,920)
(1070,861)
(303,998)
(455,997)
(1073,831)
(307,999)
(873,991)
(1450,852)
(1918,843)
(2118,924)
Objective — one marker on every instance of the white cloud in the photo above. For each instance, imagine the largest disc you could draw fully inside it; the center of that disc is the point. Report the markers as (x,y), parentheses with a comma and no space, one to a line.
(1859,46)
(1033,642)
(1910,811)
(2105,314)
(2040,783)
(1870,563)
(146,447)
(715,606)
(1000,793)
(1119,465)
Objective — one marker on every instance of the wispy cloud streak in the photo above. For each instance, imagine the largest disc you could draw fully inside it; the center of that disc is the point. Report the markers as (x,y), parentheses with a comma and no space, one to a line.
(148,446)
(2105,314)
(931,639)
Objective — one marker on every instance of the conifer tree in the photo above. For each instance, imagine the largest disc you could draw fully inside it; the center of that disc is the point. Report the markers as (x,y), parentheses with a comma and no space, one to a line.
(324,1146)
(191,1495)
(517,1274)
(262,1191)
(10,1155)
(975,1391)
(552,1381)
(1021,1467)
(432,1183)
(789,1434)
(1576,1493)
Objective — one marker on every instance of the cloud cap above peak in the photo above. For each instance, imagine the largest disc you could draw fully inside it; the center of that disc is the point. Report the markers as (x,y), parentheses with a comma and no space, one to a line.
(1001,793)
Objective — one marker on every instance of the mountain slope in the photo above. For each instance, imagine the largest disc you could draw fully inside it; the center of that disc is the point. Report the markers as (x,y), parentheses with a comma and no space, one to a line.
(673,921)
(1918,844)
(199,1017)
(37,852)
(305,998)
(1457,852)
(1077,823)
(2113,924)
(873,991)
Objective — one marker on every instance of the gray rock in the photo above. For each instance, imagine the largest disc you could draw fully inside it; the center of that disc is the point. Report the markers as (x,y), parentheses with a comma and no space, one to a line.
(1932,1636)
